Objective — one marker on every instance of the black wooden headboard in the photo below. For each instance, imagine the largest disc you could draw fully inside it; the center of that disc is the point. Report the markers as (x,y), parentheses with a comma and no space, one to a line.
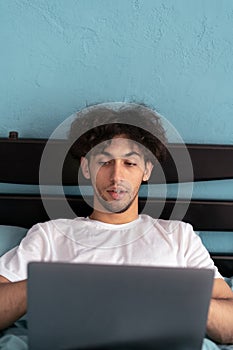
(20,162)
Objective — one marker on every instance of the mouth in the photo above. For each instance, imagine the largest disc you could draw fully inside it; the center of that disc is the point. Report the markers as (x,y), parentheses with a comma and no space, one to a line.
(117,194)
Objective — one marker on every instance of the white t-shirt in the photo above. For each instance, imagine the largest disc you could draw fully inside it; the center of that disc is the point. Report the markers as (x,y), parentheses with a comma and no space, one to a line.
(144,241)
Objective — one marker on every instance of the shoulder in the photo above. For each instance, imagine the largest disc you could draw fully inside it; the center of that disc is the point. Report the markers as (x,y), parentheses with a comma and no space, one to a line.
(172,229)
(56,225)
(174,226)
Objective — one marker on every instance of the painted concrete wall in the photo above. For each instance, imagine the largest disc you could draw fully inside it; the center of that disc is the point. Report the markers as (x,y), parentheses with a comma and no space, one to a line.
(175,55)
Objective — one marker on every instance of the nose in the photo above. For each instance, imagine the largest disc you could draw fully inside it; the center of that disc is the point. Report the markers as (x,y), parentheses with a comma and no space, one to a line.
(116,171)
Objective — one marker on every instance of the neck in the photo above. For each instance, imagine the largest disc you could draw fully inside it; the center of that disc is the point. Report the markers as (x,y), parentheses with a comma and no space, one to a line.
(114,219)
(129,215)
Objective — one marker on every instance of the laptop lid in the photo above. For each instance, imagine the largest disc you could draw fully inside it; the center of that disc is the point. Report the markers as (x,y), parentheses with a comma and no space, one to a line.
(89,306)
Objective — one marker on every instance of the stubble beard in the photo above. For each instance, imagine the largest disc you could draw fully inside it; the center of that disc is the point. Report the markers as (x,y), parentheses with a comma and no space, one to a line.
(113,206)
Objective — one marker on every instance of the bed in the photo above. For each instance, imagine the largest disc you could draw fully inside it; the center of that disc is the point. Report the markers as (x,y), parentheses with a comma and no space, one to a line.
(22,204)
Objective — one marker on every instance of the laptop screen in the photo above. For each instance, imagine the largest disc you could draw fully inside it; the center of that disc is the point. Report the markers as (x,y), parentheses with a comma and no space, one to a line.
(88,306)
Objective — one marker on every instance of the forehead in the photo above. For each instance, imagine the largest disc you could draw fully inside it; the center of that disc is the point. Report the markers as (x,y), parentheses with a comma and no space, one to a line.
(119,146)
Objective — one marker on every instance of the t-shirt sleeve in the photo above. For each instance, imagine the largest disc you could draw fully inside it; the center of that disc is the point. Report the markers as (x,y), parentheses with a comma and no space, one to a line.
(33,247)
(196,254)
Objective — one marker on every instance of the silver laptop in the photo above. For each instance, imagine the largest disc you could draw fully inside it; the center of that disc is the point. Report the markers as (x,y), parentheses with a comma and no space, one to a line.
(88,306)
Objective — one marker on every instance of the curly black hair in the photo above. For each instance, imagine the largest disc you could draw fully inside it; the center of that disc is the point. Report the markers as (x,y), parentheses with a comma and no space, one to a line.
(136,122)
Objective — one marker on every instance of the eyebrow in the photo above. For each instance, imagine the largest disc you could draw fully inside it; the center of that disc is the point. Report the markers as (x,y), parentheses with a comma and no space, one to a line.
(130,154)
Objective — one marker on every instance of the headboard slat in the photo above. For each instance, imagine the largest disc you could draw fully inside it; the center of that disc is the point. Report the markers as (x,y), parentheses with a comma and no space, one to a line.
(26,210)
(20,161)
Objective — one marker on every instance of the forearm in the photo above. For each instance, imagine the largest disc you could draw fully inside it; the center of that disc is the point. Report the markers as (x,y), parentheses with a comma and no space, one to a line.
(12,302)
(220,321)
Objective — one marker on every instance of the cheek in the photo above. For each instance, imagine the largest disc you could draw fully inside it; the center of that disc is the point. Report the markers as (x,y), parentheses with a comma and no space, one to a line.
(98,177)
(136,180)
(138,184)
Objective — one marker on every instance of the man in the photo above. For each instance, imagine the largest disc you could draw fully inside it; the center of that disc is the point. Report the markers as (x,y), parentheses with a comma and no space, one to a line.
(117,150)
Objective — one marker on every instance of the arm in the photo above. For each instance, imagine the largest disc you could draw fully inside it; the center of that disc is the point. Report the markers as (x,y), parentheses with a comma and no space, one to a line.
(12,301)
(220,317)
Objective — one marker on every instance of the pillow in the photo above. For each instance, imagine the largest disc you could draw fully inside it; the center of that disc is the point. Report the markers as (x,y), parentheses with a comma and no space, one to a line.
(10,237)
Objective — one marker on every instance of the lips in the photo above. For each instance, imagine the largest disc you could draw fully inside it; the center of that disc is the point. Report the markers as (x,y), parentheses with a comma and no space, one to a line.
(117,194)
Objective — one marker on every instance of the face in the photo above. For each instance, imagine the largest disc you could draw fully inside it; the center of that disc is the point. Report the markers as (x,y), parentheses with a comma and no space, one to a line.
(116,171)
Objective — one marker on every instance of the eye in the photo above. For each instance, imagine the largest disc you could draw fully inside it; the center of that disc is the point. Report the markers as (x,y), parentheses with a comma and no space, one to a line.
(130,164)
(104,163)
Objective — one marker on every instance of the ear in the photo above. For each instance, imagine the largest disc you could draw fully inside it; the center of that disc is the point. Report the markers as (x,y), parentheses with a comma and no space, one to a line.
(85,167)
(148,169)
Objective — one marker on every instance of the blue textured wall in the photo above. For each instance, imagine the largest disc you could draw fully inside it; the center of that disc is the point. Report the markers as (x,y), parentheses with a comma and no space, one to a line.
(175,55)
